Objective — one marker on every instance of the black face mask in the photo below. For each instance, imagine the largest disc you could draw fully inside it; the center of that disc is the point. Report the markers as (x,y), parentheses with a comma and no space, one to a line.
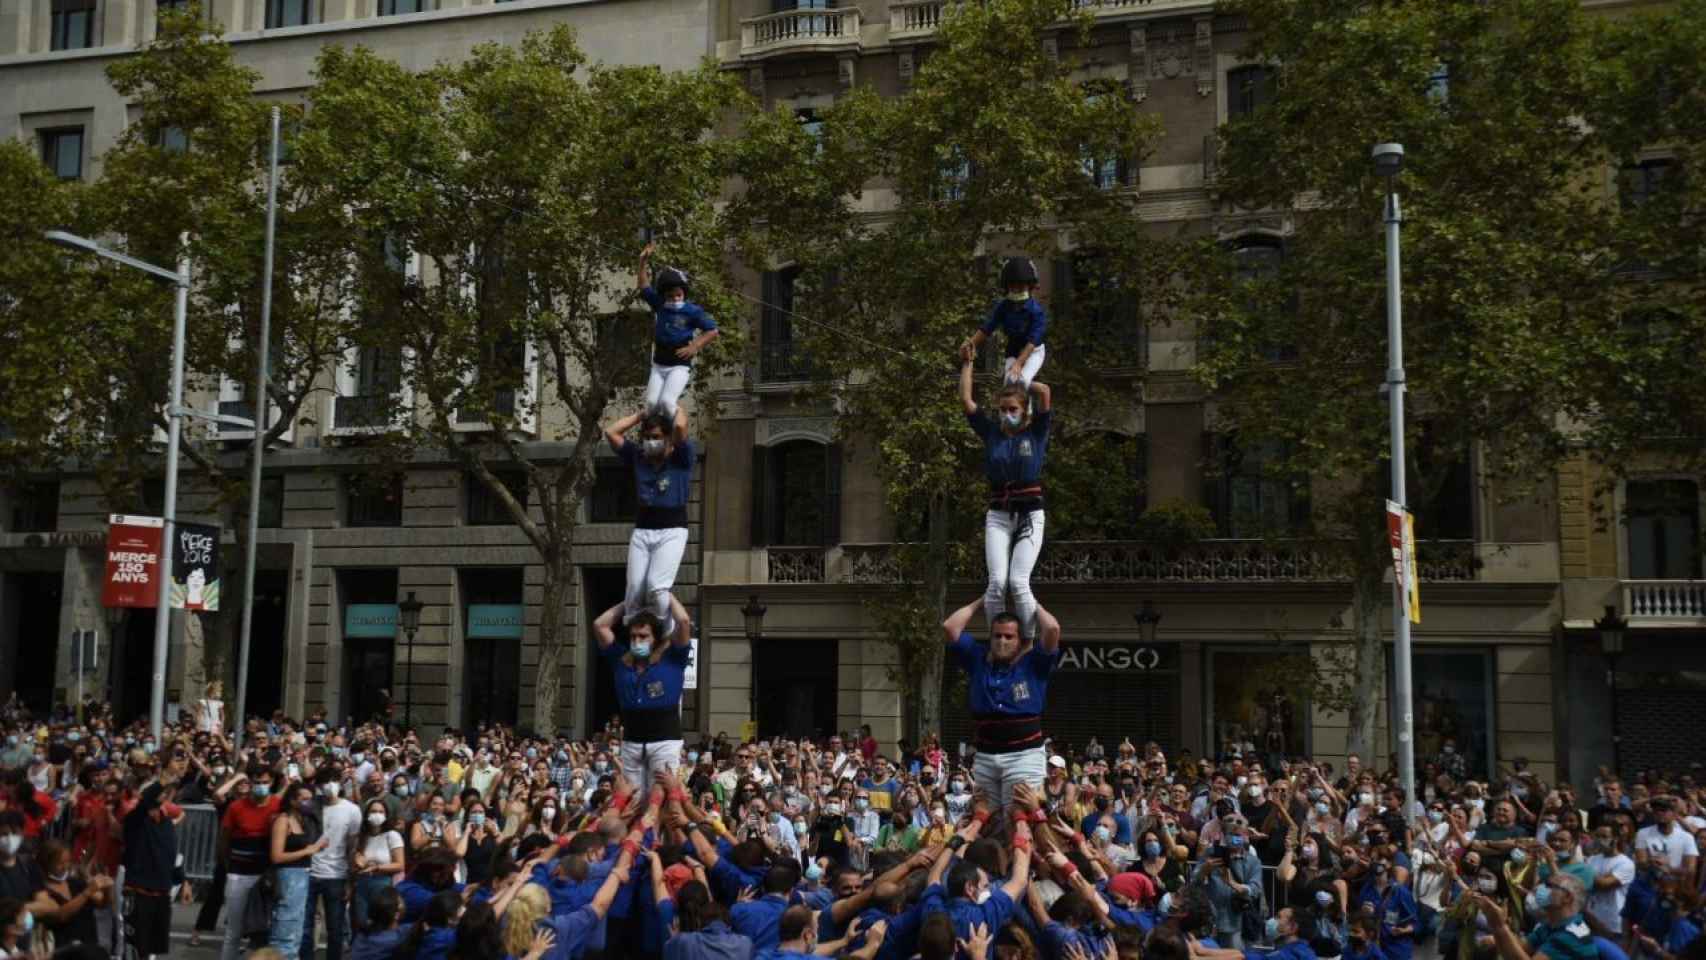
(1103,803)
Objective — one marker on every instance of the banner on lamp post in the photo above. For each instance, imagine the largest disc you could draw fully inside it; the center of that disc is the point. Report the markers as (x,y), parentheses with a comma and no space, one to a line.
(1401,531)
(195,567)
(133,561)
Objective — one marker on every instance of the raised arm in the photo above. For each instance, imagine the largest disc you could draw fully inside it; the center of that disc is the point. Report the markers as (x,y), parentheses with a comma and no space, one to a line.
(1048,630)
(643,273)
(1021,873)
(1042,393)
(604,628)
(683,623)
(957,621)
(680,430)
(967,400)
(613,434)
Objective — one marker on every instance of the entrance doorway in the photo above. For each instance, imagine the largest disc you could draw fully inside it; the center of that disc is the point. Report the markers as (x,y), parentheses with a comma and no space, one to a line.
(794,687)
(31,632)
(266,645)
(133,665)
(370,634)
(492,615)
(604,588)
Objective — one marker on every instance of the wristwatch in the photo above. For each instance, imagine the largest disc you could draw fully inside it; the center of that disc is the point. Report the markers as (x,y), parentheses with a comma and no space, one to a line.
(955,842)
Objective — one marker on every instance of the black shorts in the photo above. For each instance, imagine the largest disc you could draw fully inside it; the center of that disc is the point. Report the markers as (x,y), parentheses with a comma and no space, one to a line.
(149,918)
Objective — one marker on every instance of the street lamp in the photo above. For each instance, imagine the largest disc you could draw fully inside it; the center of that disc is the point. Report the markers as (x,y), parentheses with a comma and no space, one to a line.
(754,614)
(1612,630)
(409,618)
(1148,619)
(1388,162)
(179,278)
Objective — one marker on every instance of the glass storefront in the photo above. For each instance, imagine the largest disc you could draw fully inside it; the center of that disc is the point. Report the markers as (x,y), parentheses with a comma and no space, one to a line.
(1453,696)
(1254,704)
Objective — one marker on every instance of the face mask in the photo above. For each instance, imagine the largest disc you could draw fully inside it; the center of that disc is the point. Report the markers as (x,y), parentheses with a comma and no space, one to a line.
(476,819)
(641,649)
(1478,803)
(1018,297)
(1380,869)
(260,790)
(1242,781)
(219,771)
(1012,420)
(799,828)
(1538,899)
(401,789)
(983,896)
(823,789)
(1436,816)
(1323,899)
(1272,928)
(73,736)
(1166,904)
(29,922)
(1322,808)
(861,805)
(814,871)
(1366,799)
(330,790)
(832,809)
(957,786)
(10,843)
(148,747)
(358,757)
(1519,856)
(1487,885)
(602,766)
(305,807)
(692,757)
(1102,803)
(577,784)
(376,819)
(1309,852)
(1103,835)
(673,304)
(1255,794)
(1519,792)
(1448,749)
(547,813)
(1152,849)
(654,448)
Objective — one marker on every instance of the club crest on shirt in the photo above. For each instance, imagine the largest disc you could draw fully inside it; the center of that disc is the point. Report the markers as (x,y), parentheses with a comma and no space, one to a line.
(654,689)
(1578,929)
(663,484)
(1021,691)
(1025,447)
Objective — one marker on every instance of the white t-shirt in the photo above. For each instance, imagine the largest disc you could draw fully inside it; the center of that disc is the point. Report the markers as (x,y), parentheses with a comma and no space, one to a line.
(1607,905)
(382,848)
(339,821)
(1671,848)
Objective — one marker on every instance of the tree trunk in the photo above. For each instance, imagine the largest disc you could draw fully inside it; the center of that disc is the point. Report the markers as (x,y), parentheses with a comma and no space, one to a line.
(553,639)
(1366,587)
(928,716)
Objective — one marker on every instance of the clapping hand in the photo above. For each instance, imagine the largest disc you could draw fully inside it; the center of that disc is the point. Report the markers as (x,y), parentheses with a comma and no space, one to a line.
(977,945)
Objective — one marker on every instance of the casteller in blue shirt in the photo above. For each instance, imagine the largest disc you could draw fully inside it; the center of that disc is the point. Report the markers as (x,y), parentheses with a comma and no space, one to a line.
(674,326)
(1023,322)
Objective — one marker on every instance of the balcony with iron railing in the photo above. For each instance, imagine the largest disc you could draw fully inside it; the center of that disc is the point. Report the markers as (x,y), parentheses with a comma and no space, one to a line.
(917,20)
(806,30)
(1090,562)
(363,412)
(1659,603)
(785,361)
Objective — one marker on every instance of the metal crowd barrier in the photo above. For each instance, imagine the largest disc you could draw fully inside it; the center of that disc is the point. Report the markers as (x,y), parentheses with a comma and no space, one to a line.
(198,841)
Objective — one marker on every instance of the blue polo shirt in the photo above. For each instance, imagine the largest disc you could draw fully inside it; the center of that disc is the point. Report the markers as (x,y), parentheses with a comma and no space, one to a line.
(1013,459)
(1023,322)
(658,687)
(1058,939)
(575,932)
(1394,908)
(674,327)
(728,879)
(965,914)
(415,897)
(1019,689)
(760,920)
(901,939)
(663,485)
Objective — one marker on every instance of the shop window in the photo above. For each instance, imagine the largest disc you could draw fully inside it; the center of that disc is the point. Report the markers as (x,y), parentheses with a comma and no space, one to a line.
(1663,529)
(373,500)
(797,494)
(484,506)
(1257,706)
(1453,694)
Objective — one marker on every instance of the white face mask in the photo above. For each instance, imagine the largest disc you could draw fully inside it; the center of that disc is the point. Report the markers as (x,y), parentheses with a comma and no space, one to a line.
(1019,296)
(654,447)
(548,813)
(641,648)
(1012,420)
(983,896)
(377,819)
(10,843)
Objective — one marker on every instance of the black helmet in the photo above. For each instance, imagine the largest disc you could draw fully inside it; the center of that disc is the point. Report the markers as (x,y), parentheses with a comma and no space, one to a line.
(668,279)
(1018,270)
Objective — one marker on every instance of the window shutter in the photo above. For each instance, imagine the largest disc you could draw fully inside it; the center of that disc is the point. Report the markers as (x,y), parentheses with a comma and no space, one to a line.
(834,453)
(1140,473)
(769,316)
(1216,483)
(760,500)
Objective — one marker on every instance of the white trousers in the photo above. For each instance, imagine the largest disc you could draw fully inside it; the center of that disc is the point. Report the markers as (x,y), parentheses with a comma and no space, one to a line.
(996,774)
(1033,364)
(1010,564)
(238,888)
(666,385)
(642,762)
(654,556)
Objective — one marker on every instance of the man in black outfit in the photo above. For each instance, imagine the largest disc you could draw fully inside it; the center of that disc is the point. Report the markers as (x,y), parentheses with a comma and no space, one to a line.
(19,877)
(150,853)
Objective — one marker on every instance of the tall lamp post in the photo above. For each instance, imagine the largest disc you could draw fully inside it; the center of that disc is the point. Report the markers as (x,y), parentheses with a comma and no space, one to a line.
(754,613)
(409,618)
(179,278)
(1612,630)
(1388,162)
(1148,619)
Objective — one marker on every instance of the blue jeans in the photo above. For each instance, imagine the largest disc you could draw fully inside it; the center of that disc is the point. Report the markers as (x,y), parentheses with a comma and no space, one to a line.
(286,936)
(329,891)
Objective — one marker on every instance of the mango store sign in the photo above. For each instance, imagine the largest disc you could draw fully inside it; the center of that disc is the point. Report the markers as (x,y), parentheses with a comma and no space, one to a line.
(1105,657)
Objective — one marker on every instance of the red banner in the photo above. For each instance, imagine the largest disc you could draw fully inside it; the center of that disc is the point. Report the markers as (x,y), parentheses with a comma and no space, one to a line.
(133,561)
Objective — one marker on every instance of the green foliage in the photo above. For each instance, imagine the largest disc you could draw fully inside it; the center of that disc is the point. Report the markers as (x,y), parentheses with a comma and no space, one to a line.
(1175,523)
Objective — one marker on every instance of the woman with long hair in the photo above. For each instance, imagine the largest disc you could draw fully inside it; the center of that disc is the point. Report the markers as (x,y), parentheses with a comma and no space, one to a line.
(66,903)
(16,927)
(378,860)
(295,839)
(479,838)
(530,905)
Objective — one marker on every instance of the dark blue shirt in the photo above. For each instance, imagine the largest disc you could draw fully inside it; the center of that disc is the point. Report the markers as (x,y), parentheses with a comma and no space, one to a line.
(760,921)
(1295,950)
(415,897)
(663,485)
(728,880)
(672,328)
(1394,908)
(1019,689)
(1023,322)
(965,914)
(575,932)
(436,944)
(657,688)
(1013,459)
(715,942)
